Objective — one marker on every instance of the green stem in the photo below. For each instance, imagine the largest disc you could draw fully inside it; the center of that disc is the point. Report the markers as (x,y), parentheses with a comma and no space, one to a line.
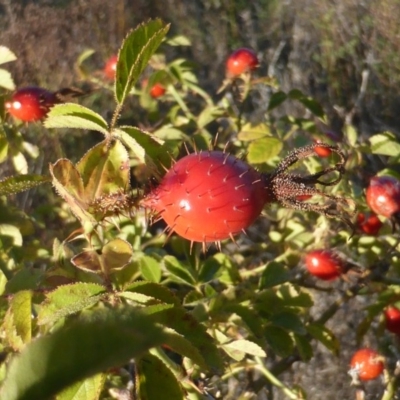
(274,380)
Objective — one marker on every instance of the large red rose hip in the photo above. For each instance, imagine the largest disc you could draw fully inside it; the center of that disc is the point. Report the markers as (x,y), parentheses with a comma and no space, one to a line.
(383,195)
(208,196)
(241,60)
(31,103)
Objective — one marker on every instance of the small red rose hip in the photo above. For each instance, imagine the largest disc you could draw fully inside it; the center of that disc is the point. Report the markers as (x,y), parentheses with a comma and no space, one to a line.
(369,223)
(31,103)
(323,151)
(208,196)
(383,195)
(323,264)
(157,90)
(110,67)
(367,364)
(241,60)
(392,319)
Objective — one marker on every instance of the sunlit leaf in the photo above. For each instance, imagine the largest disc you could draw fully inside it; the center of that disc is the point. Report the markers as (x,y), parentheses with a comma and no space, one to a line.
(150,268)
(136,50)
(275,273)
(67,300)
(325,336)
(6,55)
(88,389)
(6,80)
(385,143)
(262,150)
(72,115)
(116,254)
(251,132)
(20,183)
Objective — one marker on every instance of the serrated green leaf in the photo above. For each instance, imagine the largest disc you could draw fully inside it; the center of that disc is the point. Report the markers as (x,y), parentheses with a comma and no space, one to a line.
(179,272)
(6,55)
(6,80)
(150,269)
(209,269)
(136,51)
(21,307)
(75,116)
(69,185)
(251,132)
(155,290)
(279,340)
(67,300)
(104,169)
(89,345)
(276,100)
(325,336)
(262,150)
(156,381)
(274,274)
(209,114)
(88,389)
(246,347)
(385,143)
(20,183)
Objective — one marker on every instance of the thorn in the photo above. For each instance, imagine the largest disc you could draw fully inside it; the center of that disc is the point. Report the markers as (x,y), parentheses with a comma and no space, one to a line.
(256,181)
(243,231)
(209,170)
(233,239)
(226,147)
(244,173)
(164,167)
(186,148)
(214,144)
(218,245)
(239,186)
(226,158)
(203,246)
(191,246)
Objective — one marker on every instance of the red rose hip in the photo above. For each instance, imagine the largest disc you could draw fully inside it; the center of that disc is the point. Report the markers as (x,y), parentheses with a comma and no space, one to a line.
(383,195)
(31,103)
(208,196)
(367,364)
(241,60)
(110,67)
(392,319)
(369,223)
(323,264)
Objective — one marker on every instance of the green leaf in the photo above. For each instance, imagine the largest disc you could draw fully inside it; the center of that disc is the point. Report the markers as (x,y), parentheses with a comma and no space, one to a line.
(179,344)
(350,132)
(263,150)
(385,143)
(276,100)
(179,40)
(69,185)
(209,268)
(136,51)
(150,269)
(209,114)
(325,336)
(6,80)
(6,55)
(20,183)
(104,169)
(21,307)
(178,271)
(308,102)
(67,300)
(116,254)
(88,389)
(184,323)
(155,290)
(75,116)
(91,344)
(304,347)
(156,381)
(12,232)
(251,132)
(289,321)
(279,340)
(246,347)
(274,274)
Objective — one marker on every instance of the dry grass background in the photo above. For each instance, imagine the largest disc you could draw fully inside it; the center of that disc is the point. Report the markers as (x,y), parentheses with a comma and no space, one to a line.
(319,46)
